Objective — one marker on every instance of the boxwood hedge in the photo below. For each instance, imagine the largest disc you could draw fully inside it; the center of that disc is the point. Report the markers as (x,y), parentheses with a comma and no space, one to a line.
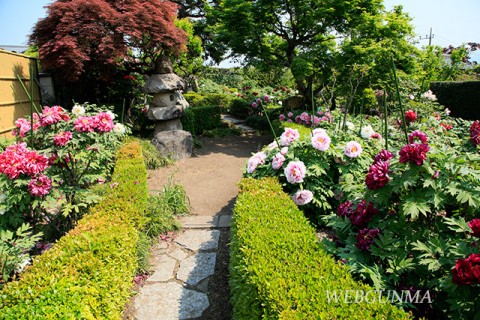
(278,269)
(88,272)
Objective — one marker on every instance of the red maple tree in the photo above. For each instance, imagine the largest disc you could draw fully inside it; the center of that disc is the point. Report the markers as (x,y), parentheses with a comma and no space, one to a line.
(99,36)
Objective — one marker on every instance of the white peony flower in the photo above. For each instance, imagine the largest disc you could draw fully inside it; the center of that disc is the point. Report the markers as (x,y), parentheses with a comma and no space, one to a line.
(119,128)
(366,132)
(111,114)
(350,125)
(78,110)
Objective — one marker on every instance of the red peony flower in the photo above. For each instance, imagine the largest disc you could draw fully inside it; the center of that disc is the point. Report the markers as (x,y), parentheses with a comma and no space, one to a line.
(410,116)
(414,153)
(366,237)
(475,132)
(475,226)
(377,176)
(362,214)
(383,155)
(344,209)
(467,271)
(419,135)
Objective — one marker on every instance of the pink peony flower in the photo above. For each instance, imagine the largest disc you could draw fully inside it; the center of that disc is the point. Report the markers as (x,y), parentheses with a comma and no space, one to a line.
(62,138)
(377,176)
(353,149)
(410,116)
(295,172)
(288,136)
(414,153)
(254,105)
(419,135)
(85,124)
(52,115)
(290,114)
(17,160)
(284,150)
(321,141)
(39,186)
(376,135)
(277,161)
(104,122)
(266,98)
(302,197)
(255,160)
(281,117)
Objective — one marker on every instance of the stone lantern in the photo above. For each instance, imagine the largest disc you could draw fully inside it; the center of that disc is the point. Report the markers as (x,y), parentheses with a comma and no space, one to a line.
(168,107)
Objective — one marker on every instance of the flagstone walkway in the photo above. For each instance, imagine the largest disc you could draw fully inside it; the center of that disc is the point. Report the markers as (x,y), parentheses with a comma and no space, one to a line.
(190,270)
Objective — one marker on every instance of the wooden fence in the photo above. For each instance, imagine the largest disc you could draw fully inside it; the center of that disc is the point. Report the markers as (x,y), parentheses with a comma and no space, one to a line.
(14,101)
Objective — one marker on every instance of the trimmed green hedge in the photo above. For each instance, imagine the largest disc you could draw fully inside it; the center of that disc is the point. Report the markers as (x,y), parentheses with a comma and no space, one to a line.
(221,100)
(277,267)
(461,97)
(88,273)
(197,120)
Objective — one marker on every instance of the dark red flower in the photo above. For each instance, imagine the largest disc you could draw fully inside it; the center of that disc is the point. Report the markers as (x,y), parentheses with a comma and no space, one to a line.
(377,176)
(410,116)
(383,155)
(344,209)
(414,153)
(467,271)
(362,214)
(419,135)
(475,132)
(365,238)
(475,226)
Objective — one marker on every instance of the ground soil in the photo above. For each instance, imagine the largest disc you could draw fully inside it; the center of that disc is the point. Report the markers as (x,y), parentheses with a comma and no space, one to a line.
(210,180)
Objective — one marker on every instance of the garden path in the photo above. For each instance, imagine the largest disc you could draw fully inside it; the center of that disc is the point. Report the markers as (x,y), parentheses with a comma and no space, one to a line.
(190,279)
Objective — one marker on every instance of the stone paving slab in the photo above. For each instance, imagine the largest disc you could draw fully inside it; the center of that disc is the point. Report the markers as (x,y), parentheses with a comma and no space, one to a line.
(196,240)
(169,301)
(224,221)
(164,267)
(199,222)
(197,267)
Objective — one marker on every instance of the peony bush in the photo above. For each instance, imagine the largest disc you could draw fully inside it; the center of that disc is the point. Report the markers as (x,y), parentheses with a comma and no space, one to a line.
(404,217)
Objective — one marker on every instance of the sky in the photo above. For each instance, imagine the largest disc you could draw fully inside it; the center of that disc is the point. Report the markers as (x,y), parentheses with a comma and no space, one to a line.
(452,21)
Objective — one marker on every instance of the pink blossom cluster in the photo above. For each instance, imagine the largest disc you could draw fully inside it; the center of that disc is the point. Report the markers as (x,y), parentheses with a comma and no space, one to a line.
(302,197)
(320,140)
(39,185)
(365,238)
(377,176)
(415,153)
(288,136)
(295,172)
(255,160)
(102,122)
(17,160)
(359,215)
(62,138)
(277,161)
(52,115)
(475,132)
(23,125)
(306,119)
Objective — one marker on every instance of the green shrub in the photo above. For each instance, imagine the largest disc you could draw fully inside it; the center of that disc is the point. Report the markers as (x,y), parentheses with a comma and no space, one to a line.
(199,119)
(152,157)
(278,269)
(240,108)
(221,100)
(462,98)
(88,272)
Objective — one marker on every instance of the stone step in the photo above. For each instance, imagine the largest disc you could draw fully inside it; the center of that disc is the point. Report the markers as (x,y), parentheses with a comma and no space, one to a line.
(206,222)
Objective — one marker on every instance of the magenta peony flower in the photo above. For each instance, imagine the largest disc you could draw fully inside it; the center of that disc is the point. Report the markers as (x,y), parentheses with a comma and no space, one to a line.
(419,135)
(410,116)
(383,155)
(277,161)
(414,153)
(39,186)
(53,115)
(85,124)
(104,122)
(281,117)
(295,172)
(377,176)
(365,238)
(266,98)
(17,160)
(302,197)
(288,136)
(321,141)
(353,149)
(467,271)
(344,209)
(254,105)
(475,226)
(62,138)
